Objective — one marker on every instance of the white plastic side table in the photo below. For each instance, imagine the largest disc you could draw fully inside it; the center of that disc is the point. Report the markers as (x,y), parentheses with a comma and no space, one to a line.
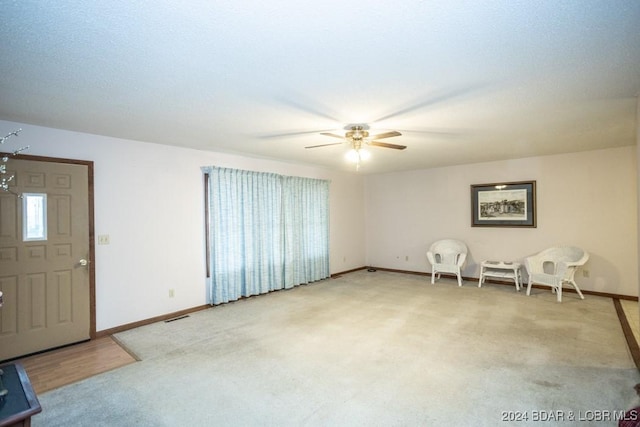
(501,270)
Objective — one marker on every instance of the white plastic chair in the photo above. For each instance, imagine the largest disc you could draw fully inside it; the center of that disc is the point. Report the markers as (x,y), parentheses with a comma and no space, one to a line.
(447,256)
(555,267)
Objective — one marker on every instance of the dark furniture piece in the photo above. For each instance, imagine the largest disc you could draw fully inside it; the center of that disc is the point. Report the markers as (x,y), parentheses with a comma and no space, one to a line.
(20,403)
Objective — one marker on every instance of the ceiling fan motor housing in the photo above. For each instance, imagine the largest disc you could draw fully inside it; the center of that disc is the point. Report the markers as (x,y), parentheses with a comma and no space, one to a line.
(357,133)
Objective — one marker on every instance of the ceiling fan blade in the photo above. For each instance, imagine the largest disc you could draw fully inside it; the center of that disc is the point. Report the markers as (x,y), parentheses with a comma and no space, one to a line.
(331,134)
(324,145)
(386,145)
(386,135)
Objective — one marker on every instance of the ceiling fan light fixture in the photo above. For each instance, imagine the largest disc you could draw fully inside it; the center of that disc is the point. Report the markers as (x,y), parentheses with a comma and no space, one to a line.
(356,156)
(352,156)
(364,154)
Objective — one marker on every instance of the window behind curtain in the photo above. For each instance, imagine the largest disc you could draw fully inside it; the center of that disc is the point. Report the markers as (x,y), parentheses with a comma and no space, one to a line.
(265,232)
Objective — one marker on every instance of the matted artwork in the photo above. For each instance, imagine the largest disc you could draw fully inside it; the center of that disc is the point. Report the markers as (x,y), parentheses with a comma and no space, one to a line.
(506,204)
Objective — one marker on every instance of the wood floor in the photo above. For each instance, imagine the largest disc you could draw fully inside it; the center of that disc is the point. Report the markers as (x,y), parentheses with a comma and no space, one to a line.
(67,365)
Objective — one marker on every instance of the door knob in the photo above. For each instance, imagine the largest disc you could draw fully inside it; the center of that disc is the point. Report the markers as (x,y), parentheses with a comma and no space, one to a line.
(83,262)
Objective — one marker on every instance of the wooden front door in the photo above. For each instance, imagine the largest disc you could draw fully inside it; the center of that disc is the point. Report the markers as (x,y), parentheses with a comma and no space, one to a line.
(46,254)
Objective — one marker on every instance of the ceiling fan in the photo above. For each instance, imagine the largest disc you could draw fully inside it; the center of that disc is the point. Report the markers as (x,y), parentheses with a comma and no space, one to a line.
(358,134)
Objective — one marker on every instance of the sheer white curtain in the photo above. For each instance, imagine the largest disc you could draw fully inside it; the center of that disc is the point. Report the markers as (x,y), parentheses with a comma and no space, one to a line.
(266,232)
(245,243)
(306,230)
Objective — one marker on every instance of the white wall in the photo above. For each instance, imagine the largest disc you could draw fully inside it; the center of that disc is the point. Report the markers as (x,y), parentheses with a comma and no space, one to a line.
(588,199)
(149,200)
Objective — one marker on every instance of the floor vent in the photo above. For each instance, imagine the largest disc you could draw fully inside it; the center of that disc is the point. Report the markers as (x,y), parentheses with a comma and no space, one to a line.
(176,318)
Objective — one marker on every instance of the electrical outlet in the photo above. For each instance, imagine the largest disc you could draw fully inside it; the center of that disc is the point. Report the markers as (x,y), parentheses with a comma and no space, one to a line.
(103,239)
(172,293)
(406,258)
(585,273)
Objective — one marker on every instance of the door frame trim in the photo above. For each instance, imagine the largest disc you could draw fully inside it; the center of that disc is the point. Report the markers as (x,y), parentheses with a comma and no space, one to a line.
(92,257)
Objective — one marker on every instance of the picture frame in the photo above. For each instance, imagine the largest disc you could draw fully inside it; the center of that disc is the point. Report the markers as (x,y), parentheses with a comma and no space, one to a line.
(504,204)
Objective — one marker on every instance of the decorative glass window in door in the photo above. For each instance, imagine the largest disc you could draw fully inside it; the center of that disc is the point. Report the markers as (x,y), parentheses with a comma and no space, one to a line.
(34,216)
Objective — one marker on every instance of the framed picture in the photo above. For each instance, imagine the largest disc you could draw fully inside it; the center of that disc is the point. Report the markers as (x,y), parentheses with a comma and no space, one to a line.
(506,204)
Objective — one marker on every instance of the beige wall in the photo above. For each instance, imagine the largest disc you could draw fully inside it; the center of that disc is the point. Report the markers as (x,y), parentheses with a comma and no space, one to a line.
(587,199)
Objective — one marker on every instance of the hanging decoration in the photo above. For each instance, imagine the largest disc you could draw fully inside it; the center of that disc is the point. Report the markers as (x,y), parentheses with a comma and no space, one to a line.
(5,178)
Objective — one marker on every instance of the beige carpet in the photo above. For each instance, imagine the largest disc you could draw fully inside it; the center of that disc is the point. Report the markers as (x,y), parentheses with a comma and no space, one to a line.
(381,348)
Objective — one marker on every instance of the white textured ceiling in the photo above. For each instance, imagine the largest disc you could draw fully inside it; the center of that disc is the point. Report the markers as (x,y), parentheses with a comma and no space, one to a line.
(464,81)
